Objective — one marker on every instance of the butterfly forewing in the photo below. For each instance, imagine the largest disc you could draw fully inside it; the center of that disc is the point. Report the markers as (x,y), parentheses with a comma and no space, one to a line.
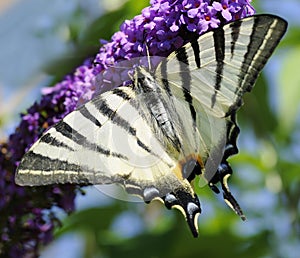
(224,63)
(102,140)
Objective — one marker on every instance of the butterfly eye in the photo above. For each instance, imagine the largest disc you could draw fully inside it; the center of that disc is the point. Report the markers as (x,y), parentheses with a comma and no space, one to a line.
(190,169)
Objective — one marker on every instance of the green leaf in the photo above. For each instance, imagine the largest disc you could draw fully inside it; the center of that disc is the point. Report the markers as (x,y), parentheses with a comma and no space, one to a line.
(291,39)
(256,110)
(178,242)
(289,90)
(94,219)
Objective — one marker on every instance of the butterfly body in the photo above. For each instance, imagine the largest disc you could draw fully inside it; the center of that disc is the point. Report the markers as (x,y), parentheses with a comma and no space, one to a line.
(169,126)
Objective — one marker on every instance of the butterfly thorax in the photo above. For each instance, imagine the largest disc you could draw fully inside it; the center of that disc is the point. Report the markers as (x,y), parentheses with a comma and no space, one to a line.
(156,106)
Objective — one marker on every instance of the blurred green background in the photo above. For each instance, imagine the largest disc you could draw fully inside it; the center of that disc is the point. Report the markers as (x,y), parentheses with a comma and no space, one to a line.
(41,41)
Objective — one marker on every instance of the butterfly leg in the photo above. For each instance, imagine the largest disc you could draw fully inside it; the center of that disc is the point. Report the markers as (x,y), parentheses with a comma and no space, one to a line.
(223,173)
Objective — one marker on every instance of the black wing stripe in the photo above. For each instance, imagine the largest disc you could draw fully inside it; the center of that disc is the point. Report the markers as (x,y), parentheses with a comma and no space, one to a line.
(86,113)
(115,118)
(256,40)
(219,41)
(196,49)
(182,56)
(105,110)
(45,163)
(235,31)
(47,138)
(266,32)
(262,38)
(186,80)
(164,76)
(69,132)
(121,93)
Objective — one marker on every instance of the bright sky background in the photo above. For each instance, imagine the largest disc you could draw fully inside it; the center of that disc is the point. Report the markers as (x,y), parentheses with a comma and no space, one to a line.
(32,33)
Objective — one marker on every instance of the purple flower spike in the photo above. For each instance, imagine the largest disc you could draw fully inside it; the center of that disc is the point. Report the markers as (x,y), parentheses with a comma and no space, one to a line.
(27,222)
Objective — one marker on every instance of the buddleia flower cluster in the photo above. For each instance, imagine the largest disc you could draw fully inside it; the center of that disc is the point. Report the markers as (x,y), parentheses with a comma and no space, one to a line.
(27,220)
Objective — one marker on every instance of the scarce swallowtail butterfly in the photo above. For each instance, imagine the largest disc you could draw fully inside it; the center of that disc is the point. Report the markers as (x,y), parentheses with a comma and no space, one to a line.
(168,127)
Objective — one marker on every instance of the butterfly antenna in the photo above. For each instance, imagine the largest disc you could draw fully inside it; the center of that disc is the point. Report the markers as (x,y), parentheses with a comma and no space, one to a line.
(148,57)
